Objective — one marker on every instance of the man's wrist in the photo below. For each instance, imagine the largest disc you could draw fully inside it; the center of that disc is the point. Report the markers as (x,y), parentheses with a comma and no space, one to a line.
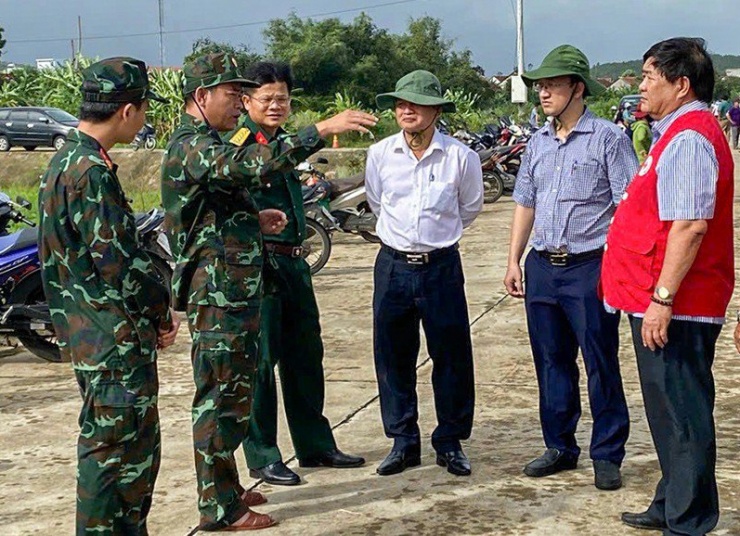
(664,303)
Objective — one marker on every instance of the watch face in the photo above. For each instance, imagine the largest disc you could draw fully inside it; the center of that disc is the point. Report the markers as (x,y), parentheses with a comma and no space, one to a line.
(663,293)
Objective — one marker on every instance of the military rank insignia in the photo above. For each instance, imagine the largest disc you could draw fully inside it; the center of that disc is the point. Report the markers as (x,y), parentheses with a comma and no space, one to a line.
(240,137)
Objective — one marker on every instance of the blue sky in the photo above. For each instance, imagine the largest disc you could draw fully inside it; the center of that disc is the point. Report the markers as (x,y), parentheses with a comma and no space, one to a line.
(606,30)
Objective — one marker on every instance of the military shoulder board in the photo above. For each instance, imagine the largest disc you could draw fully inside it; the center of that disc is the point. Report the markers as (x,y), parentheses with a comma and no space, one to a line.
(240,137)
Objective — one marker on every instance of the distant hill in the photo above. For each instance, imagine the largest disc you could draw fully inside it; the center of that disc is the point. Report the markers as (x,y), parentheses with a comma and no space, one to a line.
(614,70)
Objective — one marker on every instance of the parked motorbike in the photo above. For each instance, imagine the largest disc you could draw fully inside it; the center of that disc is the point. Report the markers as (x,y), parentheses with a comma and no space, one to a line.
(24,313)
(146,138)
(337,205)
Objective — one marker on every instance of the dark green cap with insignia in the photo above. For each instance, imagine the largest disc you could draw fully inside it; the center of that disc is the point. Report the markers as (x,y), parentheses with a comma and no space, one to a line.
(117,80)
(211,70)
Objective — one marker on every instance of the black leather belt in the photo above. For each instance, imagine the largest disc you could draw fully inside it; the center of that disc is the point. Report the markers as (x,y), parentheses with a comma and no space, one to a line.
(565,259)
(284,249)
(420,258)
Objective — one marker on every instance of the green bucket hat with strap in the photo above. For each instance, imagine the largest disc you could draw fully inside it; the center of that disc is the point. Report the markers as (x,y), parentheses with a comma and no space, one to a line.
(418,87)
(210,70)
(565,60)
(117,80)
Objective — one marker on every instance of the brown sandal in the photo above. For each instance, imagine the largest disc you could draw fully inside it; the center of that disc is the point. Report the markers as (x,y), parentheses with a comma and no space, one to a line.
(250,521)
(253,498)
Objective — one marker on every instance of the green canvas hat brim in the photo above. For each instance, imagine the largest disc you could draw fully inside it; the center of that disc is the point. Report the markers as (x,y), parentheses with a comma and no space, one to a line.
(386,101)
(218,82)
(592,86)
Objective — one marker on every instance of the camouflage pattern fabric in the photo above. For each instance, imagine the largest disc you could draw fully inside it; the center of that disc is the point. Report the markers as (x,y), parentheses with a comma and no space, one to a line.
(211,217)
(209,70)
(118,450)
(106,307)
(224,356)
(120,79)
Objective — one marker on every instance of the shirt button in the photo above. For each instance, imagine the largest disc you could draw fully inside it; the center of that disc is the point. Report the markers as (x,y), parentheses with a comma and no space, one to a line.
(554,190)
(558,168)
(624,196)
(268,185)
(606,246)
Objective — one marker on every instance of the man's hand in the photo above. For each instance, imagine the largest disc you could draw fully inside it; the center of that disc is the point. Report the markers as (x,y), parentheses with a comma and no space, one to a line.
(655,326)
(348,120)
(513,281)
(737,337)
(166,337)
(272,221)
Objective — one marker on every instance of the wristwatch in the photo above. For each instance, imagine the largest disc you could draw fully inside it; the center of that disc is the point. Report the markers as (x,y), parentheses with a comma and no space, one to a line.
(664,294)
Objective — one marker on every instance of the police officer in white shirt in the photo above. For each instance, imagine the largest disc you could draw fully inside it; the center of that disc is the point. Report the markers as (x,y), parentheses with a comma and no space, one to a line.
(425,188)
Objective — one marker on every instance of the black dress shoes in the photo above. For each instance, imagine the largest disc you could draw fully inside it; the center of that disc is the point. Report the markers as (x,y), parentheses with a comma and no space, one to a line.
(332,458)
(551,462)
(455,461)
(398,461)
(643,520)
(276,473)
(607,475)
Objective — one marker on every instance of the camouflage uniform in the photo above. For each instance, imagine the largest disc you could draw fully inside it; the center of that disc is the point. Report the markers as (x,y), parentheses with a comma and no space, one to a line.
(213,229)
(106,307)
(290,329)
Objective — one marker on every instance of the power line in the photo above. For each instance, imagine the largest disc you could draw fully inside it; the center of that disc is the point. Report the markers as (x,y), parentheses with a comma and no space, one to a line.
(208,28)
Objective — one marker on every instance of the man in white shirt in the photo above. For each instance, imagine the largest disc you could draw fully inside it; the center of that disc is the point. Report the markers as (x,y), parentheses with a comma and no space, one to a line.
(425,188)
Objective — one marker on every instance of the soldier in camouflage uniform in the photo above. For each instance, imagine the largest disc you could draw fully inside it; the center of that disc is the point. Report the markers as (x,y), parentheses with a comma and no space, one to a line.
(110,311)
(214,228)
(290,329)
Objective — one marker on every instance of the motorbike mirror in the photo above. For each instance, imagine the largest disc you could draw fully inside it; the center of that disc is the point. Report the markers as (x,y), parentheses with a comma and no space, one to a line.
(23,202)
(322,160)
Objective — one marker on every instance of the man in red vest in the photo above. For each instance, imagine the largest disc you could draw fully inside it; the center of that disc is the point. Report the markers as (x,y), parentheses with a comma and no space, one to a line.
(669,264)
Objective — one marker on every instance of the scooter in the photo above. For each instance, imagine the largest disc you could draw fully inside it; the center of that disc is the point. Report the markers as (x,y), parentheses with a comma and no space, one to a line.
(337,205)
(24,313)
(146,138)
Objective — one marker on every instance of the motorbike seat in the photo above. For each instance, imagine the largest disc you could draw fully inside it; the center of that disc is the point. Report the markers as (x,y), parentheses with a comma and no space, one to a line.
(341,186)
(486,154)
(140,218)
(25,238)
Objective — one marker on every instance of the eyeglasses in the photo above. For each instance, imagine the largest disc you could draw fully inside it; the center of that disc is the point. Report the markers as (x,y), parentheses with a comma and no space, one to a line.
(280,100)
(549,86)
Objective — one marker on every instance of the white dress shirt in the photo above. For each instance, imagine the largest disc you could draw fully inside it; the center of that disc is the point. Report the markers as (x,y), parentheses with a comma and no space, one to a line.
(423,204)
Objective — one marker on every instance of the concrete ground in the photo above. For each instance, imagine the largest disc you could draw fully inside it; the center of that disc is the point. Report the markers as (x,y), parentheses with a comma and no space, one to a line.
(39,405)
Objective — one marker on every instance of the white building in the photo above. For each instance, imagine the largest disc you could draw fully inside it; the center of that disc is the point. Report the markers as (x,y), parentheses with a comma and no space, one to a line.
(47,63)
(733,72)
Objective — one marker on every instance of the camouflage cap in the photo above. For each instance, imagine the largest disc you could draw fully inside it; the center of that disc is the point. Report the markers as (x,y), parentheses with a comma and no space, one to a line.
(211,70)
(117,80)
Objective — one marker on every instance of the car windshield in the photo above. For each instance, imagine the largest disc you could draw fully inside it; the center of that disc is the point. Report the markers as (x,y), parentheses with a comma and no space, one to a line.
(61,116)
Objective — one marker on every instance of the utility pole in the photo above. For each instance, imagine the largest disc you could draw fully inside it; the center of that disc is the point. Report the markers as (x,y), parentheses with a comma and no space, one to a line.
(74,56)
(518,88)
(79,35)
(161,35)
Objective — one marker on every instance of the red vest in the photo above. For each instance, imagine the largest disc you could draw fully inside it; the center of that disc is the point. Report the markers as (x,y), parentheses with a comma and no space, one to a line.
(636,241)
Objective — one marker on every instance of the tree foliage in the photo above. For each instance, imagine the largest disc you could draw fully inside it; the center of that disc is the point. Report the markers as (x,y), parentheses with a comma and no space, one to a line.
(2,41)
(205,45)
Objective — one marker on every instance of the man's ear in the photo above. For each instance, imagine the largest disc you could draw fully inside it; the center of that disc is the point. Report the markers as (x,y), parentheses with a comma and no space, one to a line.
(200,95)
(127,111)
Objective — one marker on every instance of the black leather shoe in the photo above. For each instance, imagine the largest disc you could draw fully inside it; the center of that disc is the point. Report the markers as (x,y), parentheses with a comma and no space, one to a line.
(333,458)
(398,461)
(551,462)
(607,475)
(455,461)
(276,473)
(643,520)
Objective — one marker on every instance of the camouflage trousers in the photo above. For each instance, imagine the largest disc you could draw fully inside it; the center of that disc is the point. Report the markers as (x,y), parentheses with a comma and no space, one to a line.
(225,347)
(118,450)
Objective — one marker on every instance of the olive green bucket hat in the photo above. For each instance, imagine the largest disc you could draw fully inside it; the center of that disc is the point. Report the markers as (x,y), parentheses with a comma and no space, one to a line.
(565,60)
(209,70)
(418,87)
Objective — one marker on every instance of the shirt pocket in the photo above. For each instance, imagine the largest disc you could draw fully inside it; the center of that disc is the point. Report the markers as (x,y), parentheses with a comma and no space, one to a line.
(441,197)
(582,182)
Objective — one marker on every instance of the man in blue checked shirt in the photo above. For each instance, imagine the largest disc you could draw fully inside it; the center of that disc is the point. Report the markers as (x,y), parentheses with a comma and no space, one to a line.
(572,176)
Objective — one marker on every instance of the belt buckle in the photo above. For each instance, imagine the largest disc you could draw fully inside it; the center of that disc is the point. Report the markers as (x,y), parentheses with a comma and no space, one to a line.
(559,259)
(297,251)
(417,258)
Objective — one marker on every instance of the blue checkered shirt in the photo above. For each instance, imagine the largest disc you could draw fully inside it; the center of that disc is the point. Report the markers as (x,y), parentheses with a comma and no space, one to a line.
(575,185)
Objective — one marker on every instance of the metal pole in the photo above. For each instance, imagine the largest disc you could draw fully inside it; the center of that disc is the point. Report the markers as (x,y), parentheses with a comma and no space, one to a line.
(161,35)
(79,32)
(520,36)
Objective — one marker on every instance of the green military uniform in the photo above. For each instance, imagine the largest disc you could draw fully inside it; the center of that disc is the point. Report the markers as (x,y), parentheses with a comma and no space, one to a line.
(107,307)
(213,229)
(290,329)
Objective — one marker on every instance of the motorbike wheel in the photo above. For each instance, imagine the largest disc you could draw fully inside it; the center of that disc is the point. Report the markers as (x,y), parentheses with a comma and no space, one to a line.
(370,237)
(316,246)
(493,187)
(40,344)
(150,143)
(135,145)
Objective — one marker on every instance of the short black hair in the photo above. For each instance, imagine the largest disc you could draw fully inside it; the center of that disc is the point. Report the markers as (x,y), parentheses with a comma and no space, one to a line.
(100,112)
(685,56)
(270,72)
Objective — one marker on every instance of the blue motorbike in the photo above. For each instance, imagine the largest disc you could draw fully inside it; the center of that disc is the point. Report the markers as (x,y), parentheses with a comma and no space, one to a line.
(24,313)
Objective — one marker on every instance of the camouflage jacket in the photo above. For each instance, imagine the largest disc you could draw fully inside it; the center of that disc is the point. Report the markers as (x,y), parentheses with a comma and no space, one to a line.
(211,217)
(105,304)
(285,193)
